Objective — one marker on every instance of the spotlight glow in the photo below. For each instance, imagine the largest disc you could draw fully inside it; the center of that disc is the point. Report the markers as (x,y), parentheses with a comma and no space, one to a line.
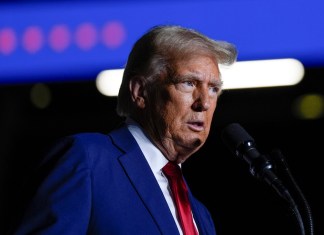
(240,75)
(262,73)
(109,81)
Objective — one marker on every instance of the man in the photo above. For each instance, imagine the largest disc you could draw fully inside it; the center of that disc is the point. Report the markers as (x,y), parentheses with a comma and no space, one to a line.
(114,183)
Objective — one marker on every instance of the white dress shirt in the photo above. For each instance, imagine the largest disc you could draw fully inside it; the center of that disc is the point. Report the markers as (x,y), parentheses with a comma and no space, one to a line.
(156,161)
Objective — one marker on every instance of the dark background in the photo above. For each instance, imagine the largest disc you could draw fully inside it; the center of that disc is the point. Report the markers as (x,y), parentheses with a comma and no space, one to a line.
(239,203)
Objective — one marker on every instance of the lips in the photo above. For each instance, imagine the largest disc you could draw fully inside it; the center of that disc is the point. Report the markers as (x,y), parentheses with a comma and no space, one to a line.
(196,125)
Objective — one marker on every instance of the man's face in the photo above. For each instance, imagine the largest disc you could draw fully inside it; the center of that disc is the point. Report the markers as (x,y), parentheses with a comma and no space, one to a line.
(183,107)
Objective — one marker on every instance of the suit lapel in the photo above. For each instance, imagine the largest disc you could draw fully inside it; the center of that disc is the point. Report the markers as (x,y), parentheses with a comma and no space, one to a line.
(143,180)
(196,214)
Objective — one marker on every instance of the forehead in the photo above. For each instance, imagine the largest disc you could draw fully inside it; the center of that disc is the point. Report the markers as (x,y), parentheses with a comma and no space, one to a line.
(198,66)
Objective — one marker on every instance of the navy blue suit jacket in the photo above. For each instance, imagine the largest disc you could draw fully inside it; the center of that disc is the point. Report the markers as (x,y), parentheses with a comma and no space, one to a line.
(101,185)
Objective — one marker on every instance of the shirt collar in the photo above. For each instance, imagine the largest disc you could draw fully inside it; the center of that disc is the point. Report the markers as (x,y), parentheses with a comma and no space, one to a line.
(152,154)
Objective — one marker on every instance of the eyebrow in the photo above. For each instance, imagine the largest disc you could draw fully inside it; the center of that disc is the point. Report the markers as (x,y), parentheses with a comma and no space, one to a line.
(195,76)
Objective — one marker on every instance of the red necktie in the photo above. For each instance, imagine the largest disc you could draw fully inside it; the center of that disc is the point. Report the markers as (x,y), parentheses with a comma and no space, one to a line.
(180,195)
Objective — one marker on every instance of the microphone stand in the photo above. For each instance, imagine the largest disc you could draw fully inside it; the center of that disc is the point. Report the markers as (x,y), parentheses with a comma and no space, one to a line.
(306,216)
(243,146)
(262,168)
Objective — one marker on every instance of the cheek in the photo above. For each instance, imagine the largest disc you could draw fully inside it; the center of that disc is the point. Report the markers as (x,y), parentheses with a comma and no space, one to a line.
(180,105)
(182,100)
(212,108)
(173,113)
(173,102)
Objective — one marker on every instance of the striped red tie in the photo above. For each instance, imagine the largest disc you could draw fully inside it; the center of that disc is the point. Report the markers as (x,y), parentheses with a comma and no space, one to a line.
(180,195)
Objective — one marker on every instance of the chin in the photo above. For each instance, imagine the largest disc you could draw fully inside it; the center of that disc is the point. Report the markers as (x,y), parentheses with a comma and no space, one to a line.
(197,143)
(194,143)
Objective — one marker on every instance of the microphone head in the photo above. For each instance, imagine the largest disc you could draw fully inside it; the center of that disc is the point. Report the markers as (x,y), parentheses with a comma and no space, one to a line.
(234,136)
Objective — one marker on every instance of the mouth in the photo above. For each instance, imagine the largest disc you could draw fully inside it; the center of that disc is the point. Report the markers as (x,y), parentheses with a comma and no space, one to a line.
(196,125)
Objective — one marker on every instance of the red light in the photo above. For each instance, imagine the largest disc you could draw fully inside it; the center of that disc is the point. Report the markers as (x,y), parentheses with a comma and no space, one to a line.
(59,38)
(86,36)
(113,34)
(33,39)
(8,41)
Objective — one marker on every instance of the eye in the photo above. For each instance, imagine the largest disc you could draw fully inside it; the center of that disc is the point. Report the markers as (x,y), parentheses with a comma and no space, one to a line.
(214,90)
(186,86)
(188,83)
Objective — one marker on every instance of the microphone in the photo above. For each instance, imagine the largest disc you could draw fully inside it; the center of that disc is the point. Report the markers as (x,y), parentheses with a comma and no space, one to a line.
(242,145)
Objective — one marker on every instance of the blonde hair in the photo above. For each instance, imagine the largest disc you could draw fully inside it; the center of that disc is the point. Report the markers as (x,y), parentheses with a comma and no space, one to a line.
(155,53)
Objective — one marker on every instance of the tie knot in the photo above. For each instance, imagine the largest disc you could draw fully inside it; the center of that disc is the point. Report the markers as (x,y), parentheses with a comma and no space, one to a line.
(172,169)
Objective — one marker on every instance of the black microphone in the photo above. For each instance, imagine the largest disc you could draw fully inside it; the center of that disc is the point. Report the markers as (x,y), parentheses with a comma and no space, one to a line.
(242,145)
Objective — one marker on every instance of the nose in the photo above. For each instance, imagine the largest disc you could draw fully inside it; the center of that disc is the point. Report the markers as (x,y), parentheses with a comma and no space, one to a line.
(201,100)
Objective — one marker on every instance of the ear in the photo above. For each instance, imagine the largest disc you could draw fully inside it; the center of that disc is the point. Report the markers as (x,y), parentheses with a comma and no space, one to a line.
(137,89)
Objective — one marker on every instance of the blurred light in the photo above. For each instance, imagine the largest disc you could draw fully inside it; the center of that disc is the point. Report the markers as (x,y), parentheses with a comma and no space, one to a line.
(59,38)
(245,74)
(124,22)
(40,96)
(309,106)
(86,36)
(113,34)
(109,81)
(8,41)
(33,39)
(262,73)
